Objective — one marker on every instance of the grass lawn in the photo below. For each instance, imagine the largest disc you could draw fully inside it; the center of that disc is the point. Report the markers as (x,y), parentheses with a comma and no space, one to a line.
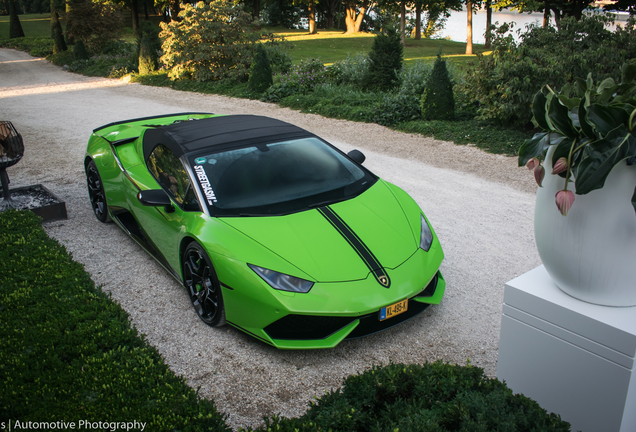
(333,45)
(34,25)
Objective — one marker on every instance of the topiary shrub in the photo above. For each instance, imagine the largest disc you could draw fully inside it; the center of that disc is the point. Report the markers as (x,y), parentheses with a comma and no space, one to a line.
(438,102)
(385,64)
(79,50)
(260,72)
(147,56)
(436,397)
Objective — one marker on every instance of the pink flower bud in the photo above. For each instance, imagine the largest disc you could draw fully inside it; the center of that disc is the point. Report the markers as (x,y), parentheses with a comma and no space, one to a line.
(564,200)
(539,173)
(560,166)
(532,163)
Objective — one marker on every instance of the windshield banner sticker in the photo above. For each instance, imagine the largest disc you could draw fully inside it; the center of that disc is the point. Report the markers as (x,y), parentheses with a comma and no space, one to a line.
(205,184)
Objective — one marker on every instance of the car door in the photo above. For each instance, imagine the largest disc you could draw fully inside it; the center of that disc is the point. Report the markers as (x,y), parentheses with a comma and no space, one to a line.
(165,225)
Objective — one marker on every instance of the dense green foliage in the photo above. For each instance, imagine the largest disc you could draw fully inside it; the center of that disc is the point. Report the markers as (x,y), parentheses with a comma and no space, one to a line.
(67,351)
(260,72)
(505,83)
(211,41)
(385,61)
(434,397)
(147,56)
(95,23)
(351,71)
(303,78)
(36,46)
(438,101)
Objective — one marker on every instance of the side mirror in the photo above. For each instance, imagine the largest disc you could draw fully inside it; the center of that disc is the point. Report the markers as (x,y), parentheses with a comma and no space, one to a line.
(357,156)
(154,198)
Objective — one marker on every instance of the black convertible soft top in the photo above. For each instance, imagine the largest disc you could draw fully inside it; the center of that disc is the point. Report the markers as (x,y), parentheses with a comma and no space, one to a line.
(217,133)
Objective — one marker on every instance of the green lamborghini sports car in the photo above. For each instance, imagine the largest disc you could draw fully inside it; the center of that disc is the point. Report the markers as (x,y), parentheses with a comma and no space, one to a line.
(268,227)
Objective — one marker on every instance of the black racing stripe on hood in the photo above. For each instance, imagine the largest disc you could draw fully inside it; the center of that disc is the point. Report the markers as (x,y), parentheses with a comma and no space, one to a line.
(357,244)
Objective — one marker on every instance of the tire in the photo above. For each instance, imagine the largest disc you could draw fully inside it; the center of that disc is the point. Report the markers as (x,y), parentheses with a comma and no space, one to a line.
(203,286)
(96,193)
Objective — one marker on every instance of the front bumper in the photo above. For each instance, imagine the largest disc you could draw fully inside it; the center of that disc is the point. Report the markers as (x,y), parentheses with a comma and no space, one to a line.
(296,331)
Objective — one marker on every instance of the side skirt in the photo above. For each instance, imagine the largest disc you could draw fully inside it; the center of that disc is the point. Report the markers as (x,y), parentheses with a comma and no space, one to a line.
(129,224)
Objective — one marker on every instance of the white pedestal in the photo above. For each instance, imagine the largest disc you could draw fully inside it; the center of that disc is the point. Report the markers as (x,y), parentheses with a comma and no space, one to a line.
(574,358)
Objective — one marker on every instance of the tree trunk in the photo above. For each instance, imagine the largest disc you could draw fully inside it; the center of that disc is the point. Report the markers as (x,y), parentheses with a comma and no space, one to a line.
(403,22)
(69,39)
(418,21)
(15,28)
(469,27)
(175,8)
(146,17)
(256,11)
(353,20)
(134,9)
(312,17)
(488,24)
(56,31)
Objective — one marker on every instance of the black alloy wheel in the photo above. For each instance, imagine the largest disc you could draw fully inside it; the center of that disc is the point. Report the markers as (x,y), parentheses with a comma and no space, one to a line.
(203,285)
(96,193)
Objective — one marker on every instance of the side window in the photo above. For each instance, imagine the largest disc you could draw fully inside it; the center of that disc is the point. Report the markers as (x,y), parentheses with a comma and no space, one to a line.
(168,170)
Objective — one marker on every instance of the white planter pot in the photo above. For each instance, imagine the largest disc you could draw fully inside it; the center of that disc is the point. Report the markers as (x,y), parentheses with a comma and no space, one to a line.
(590,253)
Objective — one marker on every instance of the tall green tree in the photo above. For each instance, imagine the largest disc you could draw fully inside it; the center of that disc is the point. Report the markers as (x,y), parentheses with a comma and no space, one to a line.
(386,59)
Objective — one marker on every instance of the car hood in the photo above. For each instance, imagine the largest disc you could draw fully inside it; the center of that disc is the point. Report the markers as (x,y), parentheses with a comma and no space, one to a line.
(322,242)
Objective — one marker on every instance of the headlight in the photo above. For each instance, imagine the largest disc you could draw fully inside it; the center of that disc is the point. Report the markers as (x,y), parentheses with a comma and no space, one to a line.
(426,238)
(282,281)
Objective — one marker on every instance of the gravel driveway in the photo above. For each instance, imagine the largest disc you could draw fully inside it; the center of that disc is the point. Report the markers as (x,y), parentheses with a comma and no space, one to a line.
(481,206)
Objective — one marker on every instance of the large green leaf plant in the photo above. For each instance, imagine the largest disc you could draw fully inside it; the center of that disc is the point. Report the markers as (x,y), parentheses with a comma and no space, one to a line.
(592,128)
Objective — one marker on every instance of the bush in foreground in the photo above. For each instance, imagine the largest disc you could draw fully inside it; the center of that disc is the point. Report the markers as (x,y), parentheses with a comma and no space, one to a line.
(67,351)
(435,397)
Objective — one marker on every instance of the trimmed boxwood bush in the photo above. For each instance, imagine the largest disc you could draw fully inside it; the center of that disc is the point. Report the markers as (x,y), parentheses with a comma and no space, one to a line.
(79,50)
(67,351)
(438,101)
(435,397)
(260,72)
(385,61)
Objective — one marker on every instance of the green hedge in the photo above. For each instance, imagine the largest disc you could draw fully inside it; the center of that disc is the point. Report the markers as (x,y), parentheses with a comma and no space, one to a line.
(67,351)
(435,397)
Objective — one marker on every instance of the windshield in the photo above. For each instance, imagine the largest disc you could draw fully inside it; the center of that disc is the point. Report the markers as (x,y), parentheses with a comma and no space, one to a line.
(277,178)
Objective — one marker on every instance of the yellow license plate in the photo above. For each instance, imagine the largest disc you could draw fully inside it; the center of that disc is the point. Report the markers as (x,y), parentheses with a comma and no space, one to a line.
(394,309)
